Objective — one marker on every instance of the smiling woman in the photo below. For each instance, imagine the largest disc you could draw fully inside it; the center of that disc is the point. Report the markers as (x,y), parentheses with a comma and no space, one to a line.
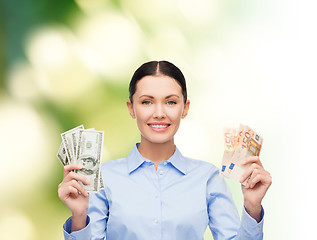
(156,192)
(158,101)
(158,114)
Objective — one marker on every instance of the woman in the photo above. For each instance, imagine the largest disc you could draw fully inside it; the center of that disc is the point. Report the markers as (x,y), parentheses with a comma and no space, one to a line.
(155,192)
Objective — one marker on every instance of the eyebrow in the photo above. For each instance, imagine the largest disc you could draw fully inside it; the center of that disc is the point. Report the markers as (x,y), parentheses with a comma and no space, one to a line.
(149,96)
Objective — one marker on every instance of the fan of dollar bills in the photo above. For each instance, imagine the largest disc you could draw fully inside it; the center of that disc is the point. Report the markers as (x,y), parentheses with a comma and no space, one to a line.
(239,144)
(84,147)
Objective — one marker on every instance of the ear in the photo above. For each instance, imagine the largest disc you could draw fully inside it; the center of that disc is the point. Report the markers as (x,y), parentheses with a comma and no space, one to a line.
(130,108)
(186,108)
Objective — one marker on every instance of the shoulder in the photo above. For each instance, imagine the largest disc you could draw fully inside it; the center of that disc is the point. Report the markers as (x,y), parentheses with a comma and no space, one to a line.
(114,165)
(215,184)
(201,165)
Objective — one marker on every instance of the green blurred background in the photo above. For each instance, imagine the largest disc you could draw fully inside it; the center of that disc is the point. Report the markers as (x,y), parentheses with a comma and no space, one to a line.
(68,62)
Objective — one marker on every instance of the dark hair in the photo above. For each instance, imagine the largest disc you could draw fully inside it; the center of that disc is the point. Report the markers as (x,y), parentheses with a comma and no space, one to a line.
(155,68)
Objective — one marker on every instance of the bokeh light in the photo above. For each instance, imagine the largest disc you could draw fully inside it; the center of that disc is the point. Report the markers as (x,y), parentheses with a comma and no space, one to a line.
(24,146)
(10,219)
(53,54)
(100,33)
(66,63)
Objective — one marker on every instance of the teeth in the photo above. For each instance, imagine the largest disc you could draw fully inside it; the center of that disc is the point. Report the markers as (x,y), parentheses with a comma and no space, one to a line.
(158,126)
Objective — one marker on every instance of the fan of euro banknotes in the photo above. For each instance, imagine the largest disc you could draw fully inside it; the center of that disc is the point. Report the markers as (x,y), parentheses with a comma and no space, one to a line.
(84,147)
(239,144)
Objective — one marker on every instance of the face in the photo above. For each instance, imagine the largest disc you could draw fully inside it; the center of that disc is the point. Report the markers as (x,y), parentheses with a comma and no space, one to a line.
(158,107)
(89,164)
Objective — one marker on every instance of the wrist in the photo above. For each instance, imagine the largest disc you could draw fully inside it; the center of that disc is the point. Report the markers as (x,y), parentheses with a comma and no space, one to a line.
(252,204)
(79,221)
(253,209)
(79,212)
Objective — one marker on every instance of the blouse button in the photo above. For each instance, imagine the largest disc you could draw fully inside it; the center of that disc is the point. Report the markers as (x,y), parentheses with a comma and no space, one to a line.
(156,221)
(161,172)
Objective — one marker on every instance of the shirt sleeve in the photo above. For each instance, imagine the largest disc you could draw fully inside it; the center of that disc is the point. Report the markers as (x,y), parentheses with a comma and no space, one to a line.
(250,228)
(77,235)
(224,220)
(96,223)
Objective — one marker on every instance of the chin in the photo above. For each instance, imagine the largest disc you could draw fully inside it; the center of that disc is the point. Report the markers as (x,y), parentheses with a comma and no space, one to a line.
(158,139)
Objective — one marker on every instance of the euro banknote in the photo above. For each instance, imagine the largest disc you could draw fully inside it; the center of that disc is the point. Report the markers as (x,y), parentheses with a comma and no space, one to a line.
(230,137)
(247,143)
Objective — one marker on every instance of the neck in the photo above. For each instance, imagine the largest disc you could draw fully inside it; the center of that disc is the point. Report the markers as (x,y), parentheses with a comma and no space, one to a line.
(156,152)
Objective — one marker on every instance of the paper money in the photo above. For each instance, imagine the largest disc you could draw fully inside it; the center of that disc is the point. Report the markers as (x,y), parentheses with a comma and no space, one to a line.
(89,156)
(61,155)
(75,138)
(249,143)
(101,186)
(67,140)
(230,136)
(83,147)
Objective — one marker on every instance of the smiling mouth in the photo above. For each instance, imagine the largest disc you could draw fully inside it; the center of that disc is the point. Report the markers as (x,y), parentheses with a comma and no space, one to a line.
(159,126)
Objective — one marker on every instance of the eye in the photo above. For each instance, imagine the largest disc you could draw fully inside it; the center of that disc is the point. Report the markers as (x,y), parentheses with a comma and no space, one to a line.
(146,102)
(171,102)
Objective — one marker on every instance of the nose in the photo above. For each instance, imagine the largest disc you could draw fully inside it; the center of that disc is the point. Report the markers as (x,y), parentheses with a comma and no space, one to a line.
(159,112)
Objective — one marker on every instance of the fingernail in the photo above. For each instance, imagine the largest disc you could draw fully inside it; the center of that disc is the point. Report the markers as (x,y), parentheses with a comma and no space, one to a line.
(80,166)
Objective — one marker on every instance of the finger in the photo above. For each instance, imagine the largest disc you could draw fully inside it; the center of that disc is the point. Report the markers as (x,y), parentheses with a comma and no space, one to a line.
(71,167)
(76,176)
(73,191)
(255,177)
(262,176)
(67,188)
(248,172)
(252,159)
(79,187)
(65,191)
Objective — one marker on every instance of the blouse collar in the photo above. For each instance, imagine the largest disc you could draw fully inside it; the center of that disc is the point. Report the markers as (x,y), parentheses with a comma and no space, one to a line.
(135,160)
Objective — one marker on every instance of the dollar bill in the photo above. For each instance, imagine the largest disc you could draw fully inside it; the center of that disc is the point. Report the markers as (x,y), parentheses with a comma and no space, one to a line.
(61,155)
(67,140)
(101,186)
(248,143)
(88,143)
(89,153)
(75,139)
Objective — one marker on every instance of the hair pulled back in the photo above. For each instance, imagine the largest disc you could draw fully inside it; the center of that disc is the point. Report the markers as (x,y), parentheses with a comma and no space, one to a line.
(156,68)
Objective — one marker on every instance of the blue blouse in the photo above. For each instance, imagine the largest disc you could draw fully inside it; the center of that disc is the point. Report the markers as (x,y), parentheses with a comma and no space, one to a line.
(175,202)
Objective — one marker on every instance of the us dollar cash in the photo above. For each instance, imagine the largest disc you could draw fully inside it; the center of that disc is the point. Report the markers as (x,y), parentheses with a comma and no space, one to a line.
(83,146)
(61,155)
(89,156)
(75,139)
(67,140)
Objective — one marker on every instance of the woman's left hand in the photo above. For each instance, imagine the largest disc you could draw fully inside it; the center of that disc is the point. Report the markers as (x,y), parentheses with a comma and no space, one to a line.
(256,187)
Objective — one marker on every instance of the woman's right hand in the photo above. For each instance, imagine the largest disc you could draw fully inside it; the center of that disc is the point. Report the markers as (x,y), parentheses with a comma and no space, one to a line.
(74,195)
